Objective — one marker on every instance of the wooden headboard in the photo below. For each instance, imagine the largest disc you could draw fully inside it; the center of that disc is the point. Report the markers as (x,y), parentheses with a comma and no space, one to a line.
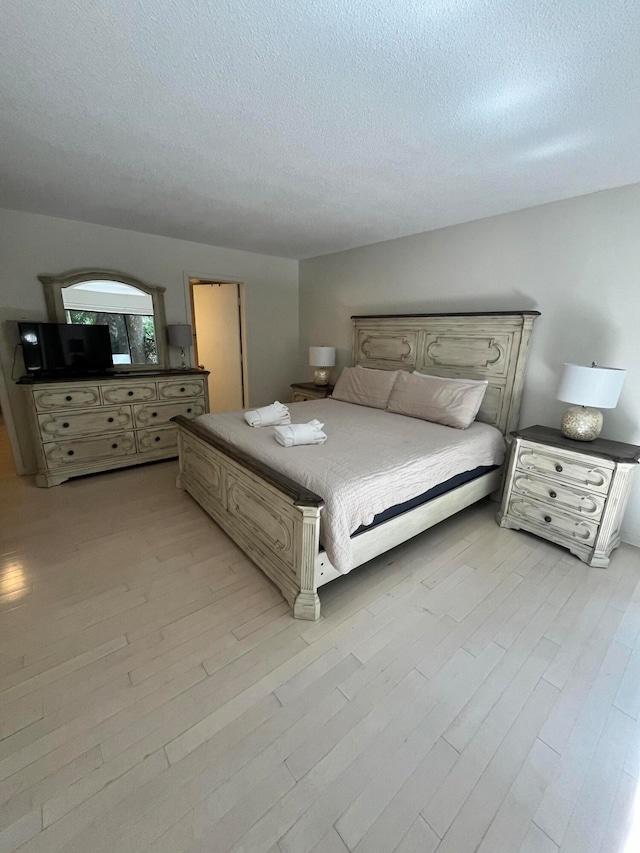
(480,345)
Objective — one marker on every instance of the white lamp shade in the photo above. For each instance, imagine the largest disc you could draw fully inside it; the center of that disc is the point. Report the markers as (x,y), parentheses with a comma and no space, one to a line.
(322,356)
(598,387)
(180,335)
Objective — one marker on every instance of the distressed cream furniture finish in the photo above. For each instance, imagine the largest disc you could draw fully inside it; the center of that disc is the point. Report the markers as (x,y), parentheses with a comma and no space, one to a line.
(277,522)
(573,493)
(309,391)
(89,425)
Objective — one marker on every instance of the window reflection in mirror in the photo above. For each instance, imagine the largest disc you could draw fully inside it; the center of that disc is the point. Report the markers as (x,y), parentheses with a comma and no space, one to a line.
(127,311)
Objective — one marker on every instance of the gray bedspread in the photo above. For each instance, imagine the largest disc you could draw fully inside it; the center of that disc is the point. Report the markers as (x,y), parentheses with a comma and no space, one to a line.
(371,461)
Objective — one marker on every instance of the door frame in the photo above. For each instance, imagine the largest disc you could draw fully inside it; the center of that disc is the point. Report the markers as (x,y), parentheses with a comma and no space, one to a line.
(196,281)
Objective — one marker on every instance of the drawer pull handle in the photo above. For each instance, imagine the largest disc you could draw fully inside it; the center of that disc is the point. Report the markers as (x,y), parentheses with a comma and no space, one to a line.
(70,452)
(182,390)
(154,414)
(559,468)
(553,494)
(157,438)
(547,518)
(114,446)
(65,425)
(110,420)
(68,398)
(130,393)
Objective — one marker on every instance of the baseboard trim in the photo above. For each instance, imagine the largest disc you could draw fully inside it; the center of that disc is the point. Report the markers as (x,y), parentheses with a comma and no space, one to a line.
(631,538)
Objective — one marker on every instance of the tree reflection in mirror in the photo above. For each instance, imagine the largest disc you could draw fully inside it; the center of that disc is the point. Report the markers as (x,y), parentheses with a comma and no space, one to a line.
(127,311)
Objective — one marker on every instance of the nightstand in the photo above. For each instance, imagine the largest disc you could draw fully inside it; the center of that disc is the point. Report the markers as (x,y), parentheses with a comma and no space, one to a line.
(309,391)
(573,493)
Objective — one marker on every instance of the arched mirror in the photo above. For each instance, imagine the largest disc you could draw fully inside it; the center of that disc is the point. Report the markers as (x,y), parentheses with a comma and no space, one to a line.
(133,311)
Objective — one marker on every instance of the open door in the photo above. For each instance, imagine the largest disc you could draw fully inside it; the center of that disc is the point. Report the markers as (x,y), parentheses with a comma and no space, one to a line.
(217,322)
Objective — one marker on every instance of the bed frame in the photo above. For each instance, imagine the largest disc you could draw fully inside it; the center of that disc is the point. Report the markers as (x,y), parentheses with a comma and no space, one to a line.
(276,521)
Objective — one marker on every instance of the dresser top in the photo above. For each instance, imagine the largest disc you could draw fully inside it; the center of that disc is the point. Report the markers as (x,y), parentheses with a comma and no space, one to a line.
(119,375)
(616,451)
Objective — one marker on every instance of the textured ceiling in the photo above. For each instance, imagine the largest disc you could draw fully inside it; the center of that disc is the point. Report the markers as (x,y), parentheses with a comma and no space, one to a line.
(300,128)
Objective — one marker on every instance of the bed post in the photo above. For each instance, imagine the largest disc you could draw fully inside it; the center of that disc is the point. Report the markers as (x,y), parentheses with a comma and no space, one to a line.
(307,603)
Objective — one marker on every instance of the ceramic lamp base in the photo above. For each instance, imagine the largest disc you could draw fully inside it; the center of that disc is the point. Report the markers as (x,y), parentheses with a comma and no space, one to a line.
(581,423)
(321,376)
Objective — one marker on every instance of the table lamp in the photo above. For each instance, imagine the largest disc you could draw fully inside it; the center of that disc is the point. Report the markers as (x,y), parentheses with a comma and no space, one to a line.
(322,358)
(180,336)
(590,389)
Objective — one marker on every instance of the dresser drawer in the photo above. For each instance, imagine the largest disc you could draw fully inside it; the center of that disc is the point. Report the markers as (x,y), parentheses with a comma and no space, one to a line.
(71,424)
(129,393)
(571,470)
(165,438)
(555,494)
(60,454)
(72,397)
(174,389)
(154,414)
(550,521)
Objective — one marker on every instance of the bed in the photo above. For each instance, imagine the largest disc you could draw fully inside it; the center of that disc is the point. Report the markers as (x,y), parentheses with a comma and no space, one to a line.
(276,519)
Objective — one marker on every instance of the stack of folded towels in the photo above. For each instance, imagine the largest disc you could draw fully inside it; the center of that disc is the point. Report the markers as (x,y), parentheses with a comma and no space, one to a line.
(286,433)
(276,413)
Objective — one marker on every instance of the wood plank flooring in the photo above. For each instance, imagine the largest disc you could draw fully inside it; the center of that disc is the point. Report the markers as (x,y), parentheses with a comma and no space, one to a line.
(476,689)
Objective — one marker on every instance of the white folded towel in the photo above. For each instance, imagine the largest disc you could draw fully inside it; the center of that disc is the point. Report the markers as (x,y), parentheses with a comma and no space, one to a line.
(310,433)
(276,413)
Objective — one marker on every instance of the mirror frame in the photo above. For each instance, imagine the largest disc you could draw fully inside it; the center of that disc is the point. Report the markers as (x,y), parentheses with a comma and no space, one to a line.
(53,286)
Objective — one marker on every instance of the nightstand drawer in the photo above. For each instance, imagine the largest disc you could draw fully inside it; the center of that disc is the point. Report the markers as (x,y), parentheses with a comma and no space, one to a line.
(303,391)
(594,475)
(558,495)
(554,523)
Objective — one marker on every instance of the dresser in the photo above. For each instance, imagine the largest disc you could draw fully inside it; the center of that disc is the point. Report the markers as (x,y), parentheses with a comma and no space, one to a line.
(82,426)
(309,391)
(573,493)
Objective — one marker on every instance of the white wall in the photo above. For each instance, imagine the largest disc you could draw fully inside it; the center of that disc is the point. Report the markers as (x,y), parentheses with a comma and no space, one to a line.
(576,261)
(32,245)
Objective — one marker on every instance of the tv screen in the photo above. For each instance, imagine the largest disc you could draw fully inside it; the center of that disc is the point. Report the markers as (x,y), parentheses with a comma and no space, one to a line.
(52,348)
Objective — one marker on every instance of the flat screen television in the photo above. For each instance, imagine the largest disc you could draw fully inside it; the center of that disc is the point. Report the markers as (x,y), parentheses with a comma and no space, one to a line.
(51,349)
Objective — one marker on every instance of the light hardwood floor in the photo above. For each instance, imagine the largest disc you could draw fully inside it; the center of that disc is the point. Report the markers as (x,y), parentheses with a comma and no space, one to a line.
(475,689)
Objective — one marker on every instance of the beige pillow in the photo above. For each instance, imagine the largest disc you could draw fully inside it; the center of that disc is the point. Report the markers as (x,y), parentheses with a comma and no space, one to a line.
(451,378)
(451,402)
(365,387)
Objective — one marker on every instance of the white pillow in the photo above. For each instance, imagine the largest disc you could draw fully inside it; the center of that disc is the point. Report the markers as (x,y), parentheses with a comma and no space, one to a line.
(364,386)
(450,402)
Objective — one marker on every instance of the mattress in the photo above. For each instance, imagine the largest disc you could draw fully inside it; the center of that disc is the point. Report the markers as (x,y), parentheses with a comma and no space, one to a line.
(372,460)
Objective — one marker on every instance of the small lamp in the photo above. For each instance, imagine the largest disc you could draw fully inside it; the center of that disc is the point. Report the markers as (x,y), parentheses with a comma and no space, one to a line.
(180,336)
(591,389)
(322,358)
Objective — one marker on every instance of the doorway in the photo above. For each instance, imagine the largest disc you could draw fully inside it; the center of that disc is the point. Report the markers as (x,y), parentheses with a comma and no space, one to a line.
(217,311)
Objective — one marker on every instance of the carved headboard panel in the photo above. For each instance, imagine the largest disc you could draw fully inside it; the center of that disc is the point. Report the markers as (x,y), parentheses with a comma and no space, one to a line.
(491,345)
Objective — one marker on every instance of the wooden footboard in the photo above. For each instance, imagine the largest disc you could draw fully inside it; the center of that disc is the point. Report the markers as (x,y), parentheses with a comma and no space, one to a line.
(274,520)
